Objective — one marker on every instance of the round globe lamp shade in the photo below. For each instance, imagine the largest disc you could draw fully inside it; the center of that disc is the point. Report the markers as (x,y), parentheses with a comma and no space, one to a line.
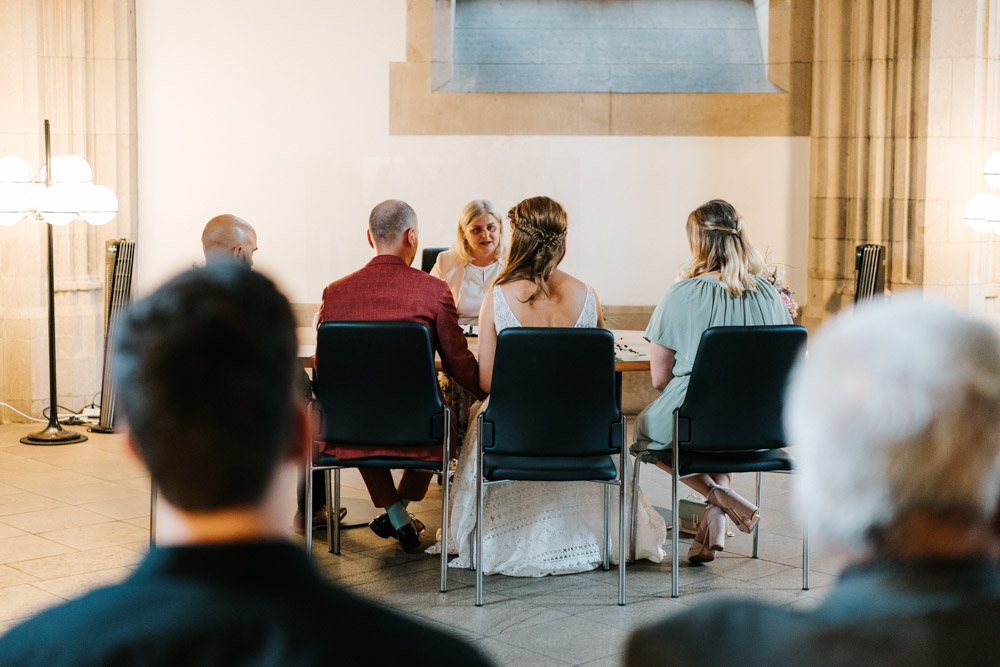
(100,205)
(12,203)
(14,170)
(60,204)
(69,169)
(980,211)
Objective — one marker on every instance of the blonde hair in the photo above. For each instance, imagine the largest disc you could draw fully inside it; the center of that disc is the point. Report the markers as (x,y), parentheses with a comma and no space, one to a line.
(719,243)
(470,213)
(537,243)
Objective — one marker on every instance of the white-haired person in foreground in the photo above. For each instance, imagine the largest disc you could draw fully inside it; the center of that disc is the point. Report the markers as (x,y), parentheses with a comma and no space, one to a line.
(895,418)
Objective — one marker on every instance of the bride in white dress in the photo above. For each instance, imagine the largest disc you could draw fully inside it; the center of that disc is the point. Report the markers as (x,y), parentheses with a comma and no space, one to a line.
(532,529)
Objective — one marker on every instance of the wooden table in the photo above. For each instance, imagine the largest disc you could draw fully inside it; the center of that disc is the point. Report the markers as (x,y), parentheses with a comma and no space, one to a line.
(631,353)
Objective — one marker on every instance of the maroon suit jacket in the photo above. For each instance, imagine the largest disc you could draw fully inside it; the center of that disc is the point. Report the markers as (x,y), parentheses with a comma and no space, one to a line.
(387,289)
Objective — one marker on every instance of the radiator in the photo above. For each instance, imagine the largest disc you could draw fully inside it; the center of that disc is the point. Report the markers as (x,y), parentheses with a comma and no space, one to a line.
(117,294)
(869,265)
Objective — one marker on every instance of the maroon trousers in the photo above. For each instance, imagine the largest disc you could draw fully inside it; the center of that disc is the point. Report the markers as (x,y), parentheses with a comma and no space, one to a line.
(413,485)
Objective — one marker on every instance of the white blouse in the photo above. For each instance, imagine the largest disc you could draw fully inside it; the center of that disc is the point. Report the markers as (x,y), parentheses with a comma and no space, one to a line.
(476,283)
(469,284)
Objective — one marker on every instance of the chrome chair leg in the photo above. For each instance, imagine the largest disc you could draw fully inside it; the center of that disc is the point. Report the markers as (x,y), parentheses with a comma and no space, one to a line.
(445,487)
(607,526)
(756,529)
(674,529)
(621,522)
(308,505)
(805,557)
(633,510)
(333,534)
(479,518)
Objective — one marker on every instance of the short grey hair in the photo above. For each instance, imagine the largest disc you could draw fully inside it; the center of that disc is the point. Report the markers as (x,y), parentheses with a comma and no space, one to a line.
(895,409)
(389,219)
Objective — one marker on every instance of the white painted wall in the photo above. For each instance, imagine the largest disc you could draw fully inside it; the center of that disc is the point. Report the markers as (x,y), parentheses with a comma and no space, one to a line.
(279,112)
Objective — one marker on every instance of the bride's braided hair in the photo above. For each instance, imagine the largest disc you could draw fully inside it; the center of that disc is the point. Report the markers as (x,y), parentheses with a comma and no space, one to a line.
(537,245)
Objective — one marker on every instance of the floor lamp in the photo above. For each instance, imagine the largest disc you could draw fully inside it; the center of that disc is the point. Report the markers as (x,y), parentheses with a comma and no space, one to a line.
(62,192)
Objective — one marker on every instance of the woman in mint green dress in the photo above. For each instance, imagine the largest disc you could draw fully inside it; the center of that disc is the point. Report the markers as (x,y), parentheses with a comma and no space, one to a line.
(721,285)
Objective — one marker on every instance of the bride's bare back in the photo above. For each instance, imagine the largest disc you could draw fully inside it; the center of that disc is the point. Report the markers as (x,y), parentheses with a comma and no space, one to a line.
(561,308)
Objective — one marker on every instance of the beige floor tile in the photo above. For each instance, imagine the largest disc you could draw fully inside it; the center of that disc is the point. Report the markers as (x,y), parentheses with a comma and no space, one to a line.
(43,521)
(26,501)
(79,584)
(141,521)
(9,531)
(139,482)
(25,600)
(91,492)
(11,462)
(10,576)
(7,489)
(113,472)
(132,506)
(503,653)
(79,562)
(573,639)
(40,482)
(26,547)
(98,535)
(491,620)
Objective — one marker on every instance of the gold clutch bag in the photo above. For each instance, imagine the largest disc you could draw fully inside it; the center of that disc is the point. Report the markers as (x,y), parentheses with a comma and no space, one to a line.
(690,512)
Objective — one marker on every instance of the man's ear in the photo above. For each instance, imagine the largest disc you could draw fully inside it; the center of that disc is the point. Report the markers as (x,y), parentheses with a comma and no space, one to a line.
(411,237)
(370,241)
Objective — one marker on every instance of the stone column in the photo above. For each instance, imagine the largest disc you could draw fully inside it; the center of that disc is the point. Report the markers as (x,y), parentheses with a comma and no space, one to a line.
(869,108)
(72,62)
(905,111)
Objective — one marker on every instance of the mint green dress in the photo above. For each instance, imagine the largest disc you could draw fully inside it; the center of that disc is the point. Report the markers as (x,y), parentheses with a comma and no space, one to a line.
(685,311)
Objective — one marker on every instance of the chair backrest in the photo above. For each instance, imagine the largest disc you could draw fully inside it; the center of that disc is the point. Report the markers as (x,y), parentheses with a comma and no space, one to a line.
(553,394)
(376,384)
(736,389)
(428,257)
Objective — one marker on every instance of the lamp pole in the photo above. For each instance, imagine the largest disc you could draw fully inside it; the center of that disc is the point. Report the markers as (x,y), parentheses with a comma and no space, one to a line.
(53,434)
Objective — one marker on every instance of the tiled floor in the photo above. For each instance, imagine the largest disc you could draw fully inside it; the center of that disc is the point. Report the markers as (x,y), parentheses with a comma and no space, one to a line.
(623,46)
(77,516)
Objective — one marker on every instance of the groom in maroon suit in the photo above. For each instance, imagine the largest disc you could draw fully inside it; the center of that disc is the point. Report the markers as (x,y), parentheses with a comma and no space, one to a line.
(387,288)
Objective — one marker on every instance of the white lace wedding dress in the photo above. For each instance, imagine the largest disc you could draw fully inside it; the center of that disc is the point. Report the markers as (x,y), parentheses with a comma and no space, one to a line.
(531,529)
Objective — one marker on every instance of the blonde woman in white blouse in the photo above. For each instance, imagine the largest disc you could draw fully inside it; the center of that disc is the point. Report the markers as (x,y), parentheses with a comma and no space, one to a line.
(475,262)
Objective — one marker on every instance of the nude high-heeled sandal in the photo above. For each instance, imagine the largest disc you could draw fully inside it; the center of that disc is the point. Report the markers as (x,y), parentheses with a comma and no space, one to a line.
(743,513)
(711,536)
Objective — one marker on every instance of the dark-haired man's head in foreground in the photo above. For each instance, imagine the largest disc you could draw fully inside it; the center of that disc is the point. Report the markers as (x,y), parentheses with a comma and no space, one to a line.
(206,365)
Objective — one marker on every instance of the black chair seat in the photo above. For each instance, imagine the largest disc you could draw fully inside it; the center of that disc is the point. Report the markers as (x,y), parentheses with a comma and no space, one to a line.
(548,469)
(395,462)
(693,462)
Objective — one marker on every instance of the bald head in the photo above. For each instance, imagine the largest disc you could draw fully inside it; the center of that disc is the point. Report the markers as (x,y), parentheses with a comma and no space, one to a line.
(227,237)
(392,229)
